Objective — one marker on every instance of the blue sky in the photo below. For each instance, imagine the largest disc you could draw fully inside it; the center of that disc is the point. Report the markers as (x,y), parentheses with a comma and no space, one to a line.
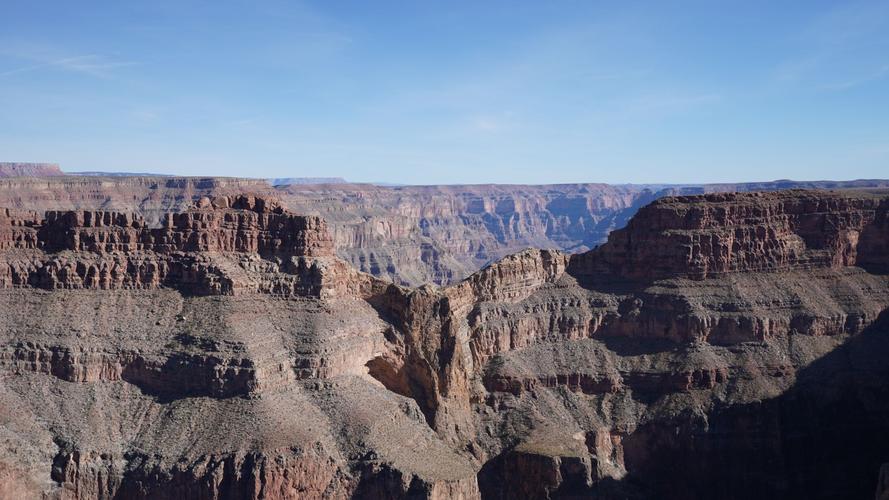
(425,92)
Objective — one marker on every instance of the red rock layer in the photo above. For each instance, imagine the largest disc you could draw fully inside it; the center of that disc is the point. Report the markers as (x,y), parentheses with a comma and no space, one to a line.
(113,250)
(409,234)
(698,237)
(239,224)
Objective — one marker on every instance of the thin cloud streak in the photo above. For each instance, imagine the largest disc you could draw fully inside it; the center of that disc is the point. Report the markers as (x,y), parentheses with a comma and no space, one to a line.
(90,64)
(672,103)
(848,84)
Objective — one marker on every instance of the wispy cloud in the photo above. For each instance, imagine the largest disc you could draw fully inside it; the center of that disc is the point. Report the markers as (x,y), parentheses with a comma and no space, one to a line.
(671,102)
(490,123)
(612,76)
(793,70)
(830,73)
(486,124)
(242,122)
(848,23)
(839,49)
(855,82)
(145,115)
(93,65)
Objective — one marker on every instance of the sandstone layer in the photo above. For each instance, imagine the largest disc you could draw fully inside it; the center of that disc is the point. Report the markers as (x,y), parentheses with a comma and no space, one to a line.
(409,234)
(719,346)
(442,234)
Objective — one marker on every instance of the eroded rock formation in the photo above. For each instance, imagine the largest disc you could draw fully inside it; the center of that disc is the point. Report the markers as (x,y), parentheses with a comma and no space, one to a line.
(409,234)
(720,346)
(747,232)
(113,250)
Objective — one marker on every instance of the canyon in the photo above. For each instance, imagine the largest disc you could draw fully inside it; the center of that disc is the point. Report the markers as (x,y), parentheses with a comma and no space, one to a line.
(408,234)
(202,342)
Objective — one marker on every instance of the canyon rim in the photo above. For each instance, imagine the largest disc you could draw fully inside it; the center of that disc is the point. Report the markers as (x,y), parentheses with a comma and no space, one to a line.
(725,345)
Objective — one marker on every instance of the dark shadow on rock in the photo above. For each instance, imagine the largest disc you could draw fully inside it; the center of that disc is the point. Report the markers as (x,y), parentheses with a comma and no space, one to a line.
(824,438)
(625,346)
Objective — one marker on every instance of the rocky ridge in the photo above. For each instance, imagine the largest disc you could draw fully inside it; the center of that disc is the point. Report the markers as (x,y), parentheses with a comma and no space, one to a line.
(409,234)
(17,169)
(113,250)
(719,346)
(747,232)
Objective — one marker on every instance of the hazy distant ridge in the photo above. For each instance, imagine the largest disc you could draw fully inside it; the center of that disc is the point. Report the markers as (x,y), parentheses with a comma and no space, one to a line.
(286,181)
(21,169)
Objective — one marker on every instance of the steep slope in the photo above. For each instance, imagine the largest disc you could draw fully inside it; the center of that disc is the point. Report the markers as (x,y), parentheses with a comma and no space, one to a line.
(685,358)
(719,346)
(220,355)
(441,234)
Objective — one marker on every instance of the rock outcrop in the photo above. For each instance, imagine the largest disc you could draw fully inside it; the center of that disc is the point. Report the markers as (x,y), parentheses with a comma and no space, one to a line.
(233,314)
(721,346)
(632,371)
(442,234)
(113,250)
(732,233)
(409,234)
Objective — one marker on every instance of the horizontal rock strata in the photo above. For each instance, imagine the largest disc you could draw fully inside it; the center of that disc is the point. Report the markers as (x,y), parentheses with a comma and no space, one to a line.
(720,346)
(409,234)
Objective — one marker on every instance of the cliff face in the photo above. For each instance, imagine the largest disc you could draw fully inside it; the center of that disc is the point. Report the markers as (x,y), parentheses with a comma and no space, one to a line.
(408,234)
(219,355)
(441,234)
(675,368)
(730,233)
(724,346)
(113,250)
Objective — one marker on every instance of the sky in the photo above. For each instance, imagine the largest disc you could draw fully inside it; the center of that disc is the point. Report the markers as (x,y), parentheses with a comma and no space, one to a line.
(451,92)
